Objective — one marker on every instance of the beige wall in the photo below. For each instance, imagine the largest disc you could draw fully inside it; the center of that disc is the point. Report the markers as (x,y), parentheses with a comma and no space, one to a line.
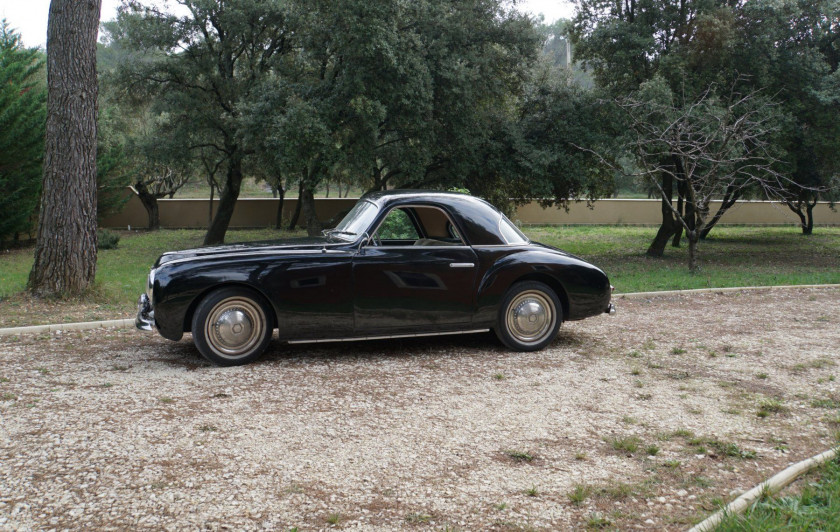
(648,212)
(192,213)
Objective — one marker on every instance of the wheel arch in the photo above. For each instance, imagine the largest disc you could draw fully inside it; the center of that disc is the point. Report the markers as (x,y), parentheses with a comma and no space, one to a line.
(552,283)
(188,317)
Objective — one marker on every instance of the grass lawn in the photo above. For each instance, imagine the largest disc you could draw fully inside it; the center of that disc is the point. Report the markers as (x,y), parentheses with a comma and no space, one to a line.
(816,508)
(732,256)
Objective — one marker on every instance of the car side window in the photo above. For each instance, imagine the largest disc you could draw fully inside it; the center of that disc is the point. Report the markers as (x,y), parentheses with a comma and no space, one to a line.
(397,226)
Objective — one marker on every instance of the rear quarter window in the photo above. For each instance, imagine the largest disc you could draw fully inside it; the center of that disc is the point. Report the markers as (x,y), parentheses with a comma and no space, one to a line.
(511,233)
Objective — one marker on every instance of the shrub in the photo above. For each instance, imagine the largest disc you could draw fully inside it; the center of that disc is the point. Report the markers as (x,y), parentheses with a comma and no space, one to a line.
(107,239)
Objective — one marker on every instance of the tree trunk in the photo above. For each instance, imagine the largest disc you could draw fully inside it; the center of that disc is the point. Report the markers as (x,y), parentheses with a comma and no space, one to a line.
(278,223)
(210,205)
(806,216)
(729,200)
(692,249)
(150,203)
(307,200)
(65,253)
(808,228)
(296,215)
(227,201)
(669,224)
(680,209)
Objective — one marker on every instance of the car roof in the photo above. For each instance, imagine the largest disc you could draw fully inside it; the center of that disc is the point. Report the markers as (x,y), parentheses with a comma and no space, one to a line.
(478,219)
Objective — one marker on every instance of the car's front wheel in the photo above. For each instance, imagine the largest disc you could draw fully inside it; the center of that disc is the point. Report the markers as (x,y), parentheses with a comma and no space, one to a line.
(529,316)
(231,326)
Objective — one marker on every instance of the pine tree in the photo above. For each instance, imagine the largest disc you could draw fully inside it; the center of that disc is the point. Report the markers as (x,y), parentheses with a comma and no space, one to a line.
(22,116)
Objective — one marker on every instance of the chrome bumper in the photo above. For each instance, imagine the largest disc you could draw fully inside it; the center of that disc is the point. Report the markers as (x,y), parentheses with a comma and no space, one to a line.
(145,315)
(610,309)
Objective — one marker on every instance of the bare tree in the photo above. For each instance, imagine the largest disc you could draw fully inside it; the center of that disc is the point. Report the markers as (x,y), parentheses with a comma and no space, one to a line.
(161,182)
(717,145)
(65,253)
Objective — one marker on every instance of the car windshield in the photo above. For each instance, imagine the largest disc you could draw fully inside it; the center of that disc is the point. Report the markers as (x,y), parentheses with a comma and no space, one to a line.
(356,222)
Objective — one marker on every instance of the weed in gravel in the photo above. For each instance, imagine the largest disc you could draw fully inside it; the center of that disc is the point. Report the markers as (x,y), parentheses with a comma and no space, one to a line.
(634,354)
(417,518)
(628,444)
(729,449)
(106,385)
(532,492)
(597,520)
(3,379)
(653,365)
(713,354)
(166,400)
(639,384)
(501,506)
(679,375)
(43,371)
(221,395)
(829,402)
(118,367)
(294,488)
(499,376)
(519,456)
(581,456)
(635,371)
(678,351)
(651,450)
(671,464)
(629,420)
(700,482)
(649,345)
(208,428)
(761,375)
(644,397)
(8,397)
(580,493)
(334,519)
(770,406)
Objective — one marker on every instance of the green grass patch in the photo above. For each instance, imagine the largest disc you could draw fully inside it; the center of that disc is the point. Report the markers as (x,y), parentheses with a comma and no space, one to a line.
(816,508)
(731,256)
(121,272)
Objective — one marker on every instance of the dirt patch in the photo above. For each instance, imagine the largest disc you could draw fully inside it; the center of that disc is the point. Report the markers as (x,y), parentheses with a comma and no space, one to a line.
(646,419)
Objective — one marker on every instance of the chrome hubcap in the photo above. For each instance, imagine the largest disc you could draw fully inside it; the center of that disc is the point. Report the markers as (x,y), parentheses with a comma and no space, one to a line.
(234,327)
(530,317)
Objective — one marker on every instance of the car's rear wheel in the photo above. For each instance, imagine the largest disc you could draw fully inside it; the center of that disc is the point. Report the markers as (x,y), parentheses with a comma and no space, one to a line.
(529,316)
(231,326)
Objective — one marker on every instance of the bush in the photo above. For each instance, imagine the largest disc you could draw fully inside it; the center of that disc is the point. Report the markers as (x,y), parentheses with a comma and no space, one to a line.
(107,239)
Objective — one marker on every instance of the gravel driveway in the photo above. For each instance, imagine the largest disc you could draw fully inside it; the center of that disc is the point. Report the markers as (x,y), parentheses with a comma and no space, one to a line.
(646,419)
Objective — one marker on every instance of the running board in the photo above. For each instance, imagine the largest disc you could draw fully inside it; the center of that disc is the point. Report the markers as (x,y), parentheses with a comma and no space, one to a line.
(389,337)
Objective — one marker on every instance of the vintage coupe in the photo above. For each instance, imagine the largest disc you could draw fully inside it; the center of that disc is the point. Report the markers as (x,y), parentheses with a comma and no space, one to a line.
(401,263)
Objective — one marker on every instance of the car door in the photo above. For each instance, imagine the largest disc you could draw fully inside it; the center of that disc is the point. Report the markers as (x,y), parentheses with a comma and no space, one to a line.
(406,281)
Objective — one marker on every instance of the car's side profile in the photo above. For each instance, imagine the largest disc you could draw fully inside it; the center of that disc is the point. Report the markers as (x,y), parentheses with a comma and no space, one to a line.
(401,263)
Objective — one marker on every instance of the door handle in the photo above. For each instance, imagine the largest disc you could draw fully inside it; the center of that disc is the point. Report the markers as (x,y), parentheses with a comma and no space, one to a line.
(461,265)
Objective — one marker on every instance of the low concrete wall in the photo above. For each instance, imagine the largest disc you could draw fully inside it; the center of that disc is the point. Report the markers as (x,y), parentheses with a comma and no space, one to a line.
(194,213)
(648,212)
(261,212)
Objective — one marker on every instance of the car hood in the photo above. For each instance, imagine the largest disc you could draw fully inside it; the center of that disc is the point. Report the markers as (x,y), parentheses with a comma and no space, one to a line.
(283,245)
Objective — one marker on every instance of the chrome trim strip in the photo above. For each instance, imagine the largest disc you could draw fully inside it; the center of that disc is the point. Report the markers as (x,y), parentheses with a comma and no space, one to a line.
(461,265)
(244,254)
(388,337)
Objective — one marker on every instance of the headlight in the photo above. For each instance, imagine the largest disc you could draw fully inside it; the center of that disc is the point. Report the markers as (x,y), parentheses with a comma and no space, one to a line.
(150,283)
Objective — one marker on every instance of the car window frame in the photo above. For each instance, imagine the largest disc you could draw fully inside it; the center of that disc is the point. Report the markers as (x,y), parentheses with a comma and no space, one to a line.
(419,226)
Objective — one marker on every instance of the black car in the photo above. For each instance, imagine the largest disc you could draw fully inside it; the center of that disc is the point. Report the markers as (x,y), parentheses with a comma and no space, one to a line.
(401,263)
